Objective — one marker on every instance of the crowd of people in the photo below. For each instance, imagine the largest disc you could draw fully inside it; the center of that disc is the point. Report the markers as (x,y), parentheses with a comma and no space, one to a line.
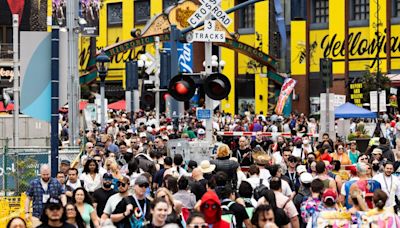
(126,176)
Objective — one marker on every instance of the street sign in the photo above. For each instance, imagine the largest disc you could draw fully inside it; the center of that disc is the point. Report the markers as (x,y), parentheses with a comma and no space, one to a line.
(203,36)
(203,114)
(209,7)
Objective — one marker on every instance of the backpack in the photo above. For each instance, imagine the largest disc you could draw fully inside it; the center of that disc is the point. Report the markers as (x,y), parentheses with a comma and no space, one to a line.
(259,190)
(227,214)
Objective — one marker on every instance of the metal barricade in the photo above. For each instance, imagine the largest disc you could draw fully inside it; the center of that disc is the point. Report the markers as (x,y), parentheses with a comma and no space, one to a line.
(18,166)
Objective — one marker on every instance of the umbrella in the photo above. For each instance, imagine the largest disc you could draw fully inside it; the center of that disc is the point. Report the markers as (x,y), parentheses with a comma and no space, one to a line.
(9,107)
(119,105)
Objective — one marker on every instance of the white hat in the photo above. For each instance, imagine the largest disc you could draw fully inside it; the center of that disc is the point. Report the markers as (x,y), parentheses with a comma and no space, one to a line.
(142,134)
(301,169)
(149,129)
(170,127)
(377,151)
(201,131)
(206,166)
(110,121)
(306,178)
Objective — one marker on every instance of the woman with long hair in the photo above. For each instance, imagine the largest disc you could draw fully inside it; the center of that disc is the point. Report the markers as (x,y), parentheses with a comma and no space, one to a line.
(83,203)
(174,207)
(159,213)
(91,176)
(73,216)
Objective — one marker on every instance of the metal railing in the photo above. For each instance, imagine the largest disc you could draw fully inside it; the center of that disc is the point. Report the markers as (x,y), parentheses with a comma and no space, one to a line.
(18,166)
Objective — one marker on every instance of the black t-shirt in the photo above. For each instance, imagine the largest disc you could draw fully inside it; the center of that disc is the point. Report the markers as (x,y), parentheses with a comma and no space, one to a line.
(159,176)
(198,188)
(239,211)
(244,161)
(121,208)
(281,219)
(100,196)
(64,225)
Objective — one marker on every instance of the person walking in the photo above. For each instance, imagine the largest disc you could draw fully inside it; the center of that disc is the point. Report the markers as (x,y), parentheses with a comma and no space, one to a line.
(389,183)
(40,191)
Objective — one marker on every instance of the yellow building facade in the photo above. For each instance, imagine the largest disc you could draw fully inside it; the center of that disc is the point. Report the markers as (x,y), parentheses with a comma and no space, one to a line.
(351,34)
(118,28)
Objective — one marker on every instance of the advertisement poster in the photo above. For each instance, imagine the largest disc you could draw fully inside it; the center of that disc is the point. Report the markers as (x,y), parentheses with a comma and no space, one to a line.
(89,12)
(246,104)
(59,13)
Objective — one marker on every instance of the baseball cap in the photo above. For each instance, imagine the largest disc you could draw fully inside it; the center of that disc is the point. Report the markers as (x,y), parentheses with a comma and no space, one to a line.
(306,178)
(107,176)
(141,180)
(142,135)
(301,169)
(329,194)
(53,203)
(65,162)
(201,131)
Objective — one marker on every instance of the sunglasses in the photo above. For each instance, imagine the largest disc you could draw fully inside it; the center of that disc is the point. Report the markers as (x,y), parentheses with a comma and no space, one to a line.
(213,206)
(143,185)
(203,225)
(55,207)
(121,184)
(70,209)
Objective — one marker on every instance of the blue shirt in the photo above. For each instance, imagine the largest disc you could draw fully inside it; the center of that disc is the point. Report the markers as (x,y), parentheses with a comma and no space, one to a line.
(36,192)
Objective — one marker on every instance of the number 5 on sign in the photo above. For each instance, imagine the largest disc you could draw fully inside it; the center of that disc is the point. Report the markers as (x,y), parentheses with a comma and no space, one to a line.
(209,25)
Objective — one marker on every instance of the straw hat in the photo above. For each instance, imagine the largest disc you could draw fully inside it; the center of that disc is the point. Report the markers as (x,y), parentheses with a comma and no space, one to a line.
(206,166)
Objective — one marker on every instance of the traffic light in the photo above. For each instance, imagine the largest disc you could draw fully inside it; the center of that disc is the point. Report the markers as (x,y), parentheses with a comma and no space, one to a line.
(325,66)
(147,98)
(181,87)
(131,76)
(217,86)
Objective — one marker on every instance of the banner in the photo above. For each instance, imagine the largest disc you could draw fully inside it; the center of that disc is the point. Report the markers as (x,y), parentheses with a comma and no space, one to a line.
(286,90)
(59,13)
(89,11)
(36,74)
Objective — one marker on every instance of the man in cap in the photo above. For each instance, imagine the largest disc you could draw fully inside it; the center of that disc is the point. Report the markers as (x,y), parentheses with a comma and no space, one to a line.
(136,208)
(101,195)
(291,173)
(64,166)
(262,161)
(304,191)
(112,202)
(53,214)
(387,152)
(201,134)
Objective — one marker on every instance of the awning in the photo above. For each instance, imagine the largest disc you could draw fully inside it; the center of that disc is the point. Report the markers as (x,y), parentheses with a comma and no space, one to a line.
(394,79)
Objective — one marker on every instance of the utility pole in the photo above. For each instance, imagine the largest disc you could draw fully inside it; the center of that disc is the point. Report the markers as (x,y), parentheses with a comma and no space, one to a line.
(157,80)
(15,22)
(73,79)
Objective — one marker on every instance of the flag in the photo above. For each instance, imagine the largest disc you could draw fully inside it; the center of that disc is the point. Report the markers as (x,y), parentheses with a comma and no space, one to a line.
(286,90)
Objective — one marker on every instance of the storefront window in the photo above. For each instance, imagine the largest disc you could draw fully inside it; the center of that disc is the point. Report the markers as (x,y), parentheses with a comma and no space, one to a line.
(246,18)
(142,11)
(114,13)
(359,10)
(168,3)
(396,8)
(320,11)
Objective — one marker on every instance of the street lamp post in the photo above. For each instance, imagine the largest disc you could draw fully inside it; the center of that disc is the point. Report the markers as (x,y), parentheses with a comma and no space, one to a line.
(102,62)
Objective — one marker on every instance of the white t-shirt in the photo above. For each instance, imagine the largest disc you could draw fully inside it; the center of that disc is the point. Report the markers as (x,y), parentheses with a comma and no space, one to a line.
(390,185)
(286,188)
(112,203)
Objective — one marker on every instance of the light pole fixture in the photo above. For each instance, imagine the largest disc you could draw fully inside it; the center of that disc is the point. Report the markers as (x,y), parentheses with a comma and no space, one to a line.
(102,62)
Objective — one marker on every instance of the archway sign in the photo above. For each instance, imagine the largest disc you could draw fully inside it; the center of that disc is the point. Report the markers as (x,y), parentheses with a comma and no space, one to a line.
(159,26)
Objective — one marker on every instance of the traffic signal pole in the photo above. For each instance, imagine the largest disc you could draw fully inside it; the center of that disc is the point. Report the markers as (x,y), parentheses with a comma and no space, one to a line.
(209,101)
(176,108)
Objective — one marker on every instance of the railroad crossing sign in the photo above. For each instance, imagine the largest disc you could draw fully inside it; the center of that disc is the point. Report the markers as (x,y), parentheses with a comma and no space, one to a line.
(208,35)
(209,7)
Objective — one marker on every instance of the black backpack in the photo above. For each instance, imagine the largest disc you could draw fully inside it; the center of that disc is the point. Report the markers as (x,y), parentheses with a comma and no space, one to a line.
(259,190)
